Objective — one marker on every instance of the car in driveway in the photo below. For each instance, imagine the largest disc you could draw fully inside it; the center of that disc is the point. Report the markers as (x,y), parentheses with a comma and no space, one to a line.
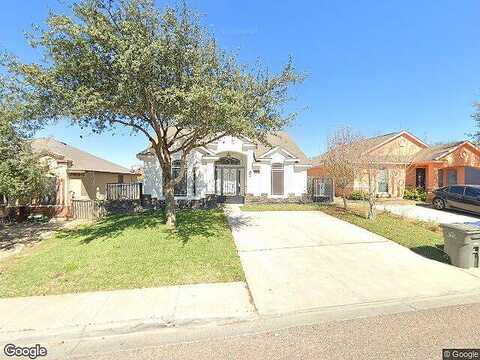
(458,197)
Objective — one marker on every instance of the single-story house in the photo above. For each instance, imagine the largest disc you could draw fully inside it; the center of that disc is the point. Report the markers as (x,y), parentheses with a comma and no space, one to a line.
(445,164)
(403,160)
(235,169)
(79,175)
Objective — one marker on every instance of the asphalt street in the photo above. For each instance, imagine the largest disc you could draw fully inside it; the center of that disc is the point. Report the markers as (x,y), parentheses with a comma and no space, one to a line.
(409,335)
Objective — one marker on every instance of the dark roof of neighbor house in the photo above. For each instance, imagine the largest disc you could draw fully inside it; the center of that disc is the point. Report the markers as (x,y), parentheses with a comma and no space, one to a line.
(436,152)
(373,142)
(81,160)
(281,139)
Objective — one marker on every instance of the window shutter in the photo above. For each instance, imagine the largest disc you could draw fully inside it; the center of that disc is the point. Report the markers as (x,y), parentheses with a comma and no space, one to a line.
(277,179)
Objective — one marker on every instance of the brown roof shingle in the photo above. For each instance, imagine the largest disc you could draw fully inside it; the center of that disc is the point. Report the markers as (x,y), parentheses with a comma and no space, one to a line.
(368,144)
(81,160)
(282,139)
(435,152)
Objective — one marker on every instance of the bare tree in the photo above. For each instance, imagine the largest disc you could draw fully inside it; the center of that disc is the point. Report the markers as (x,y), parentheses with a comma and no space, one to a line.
(341,159)
(372,171)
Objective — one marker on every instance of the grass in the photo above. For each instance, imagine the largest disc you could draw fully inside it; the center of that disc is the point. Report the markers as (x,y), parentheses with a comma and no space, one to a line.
(422,238)
(126,251)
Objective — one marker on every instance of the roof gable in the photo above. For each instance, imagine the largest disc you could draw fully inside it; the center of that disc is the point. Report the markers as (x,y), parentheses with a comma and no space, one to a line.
(436,152)
(281,140)
(377,143)
(381,141)
(465,144)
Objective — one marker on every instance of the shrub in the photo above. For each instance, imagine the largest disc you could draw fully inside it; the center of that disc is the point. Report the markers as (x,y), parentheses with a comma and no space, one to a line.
(358,195)
(416,194)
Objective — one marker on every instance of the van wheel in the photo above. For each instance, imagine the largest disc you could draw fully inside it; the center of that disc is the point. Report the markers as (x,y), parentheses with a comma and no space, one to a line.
(438,204)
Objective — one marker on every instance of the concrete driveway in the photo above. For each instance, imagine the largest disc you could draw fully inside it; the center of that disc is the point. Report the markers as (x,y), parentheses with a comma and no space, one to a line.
(298,261)
(424,213)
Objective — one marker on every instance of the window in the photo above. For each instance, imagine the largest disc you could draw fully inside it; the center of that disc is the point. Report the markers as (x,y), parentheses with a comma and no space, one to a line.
(383,181)
(194,181)
(228,160)
(457,190)
(181,187)
(120,179)
(451,177)
(277,179)
(472,192)
(440,178)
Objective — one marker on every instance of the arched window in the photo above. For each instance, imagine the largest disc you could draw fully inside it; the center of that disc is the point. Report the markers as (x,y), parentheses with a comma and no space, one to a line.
(228,160)
(181,187)
(277,179)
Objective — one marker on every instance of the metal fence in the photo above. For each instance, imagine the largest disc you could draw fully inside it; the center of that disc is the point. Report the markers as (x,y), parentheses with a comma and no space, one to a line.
(124,191)
(86,209)
(321,189)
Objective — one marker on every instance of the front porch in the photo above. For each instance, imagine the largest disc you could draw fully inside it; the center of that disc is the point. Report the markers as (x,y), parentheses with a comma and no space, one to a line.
(432,176)
(230,178)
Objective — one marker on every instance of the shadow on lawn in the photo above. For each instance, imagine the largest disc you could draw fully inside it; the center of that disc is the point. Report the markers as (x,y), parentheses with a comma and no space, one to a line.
(113,226)
(205,223)
(432,252)
(190,223)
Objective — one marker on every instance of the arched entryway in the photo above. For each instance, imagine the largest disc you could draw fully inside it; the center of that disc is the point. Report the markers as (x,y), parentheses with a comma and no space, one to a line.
(230,177)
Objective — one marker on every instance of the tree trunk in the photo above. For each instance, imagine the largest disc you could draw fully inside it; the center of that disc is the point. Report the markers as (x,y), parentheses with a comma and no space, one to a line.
(371,207)
(371,197)
(169,194)
(344,196)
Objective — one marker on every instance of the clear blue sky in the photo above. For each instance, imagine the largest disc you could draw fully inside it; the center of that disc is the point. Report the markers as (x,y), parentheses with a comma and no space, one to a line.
(378,66)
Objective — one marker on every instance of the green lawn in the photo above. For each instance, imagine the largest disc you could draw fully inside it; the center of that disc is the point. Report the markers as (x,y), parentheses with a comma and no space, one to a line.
(423,238)
(126,251)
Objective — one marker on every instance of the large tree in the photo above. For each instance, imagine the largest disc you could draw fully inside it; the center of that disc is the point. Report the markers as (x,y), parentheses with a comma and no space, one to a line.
(158,72)
(22,177)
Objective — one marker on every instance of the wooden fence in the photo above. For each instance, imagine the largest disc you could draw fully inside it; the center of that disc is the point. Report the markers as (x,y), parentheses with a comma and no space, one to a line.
(124,191)
(86,209)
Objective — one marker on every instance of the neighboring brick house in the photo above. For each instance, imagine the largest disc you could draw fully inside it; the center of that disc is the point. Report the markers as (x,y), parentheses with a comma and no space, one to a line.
(446,164)
(393,153)
(405,161)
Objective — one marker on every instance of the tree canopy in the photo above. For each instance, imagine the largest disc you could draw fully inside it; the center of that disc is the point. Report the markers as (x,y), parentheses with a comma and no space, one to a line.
(22,178)
(158,72)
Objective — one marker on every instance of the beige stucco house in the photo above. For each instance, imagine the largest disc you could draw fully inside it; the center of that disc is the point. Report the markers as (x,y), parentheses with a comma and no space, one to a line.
(79,174)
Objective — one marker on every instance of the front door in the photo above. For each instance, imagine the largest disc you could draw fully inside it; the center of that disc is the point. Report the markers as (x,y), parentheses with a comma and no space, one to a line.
(230,182)
(420,178)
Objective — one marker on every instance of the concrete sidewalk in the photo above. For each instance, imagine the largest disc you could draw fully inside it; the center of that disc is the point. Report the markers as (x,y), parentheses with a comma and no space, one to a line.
(428,214)
(121,311)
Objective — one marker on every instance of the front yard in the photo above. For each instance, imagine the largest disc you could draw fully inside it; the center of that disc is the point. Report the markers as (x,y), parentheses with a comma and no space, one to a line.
(126,251)
(423,238)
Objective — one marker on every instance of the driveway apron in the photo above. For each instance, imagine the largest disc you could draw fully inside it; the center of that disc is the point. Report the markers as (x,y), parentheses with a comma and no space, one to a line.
(298,261)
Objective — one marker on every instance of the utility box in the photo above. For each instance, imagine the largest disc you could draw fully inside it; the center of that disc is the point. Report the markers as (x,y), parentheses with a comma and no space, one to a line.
(462,242)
